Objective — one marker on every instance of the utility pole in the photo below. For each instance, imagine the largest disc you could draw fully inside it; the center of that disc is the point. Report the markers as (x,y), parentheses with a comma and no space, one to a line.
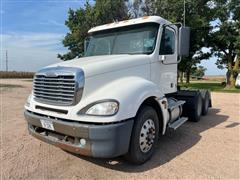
(184,11)
(6,60)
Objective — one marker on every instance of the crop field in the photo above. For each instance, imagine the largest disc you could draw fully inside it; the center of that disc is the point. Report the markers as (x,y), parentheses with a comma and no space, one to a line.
(16,74)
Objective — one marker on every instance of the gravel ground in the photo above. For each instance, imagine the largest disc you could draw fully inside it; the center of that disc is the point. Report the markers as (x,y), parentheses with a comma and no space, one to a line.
(205,150)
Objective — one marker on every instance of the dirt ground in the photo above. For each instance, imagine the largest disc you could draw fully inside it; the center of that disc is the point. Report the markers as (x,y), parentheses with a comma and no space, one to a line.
(209,149)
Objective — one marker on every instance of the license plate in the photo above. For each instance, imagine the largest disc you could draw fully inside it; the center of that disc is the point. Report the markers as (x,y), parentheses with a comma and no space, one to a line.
(47,124)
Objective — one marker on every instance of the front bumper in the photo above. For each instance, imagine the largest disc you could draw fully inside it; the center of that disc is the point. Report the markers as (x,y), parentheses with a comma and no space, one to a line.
(105,140)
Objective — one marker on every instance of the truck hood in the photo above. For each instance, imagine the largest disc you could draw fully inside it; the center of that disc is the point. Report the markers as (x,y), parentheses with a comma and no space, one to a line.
(95,65)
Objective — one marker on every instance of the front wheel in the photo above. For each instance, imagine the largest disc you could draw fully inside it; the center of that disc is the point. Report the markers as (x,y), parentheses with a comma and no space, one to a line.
(144,135)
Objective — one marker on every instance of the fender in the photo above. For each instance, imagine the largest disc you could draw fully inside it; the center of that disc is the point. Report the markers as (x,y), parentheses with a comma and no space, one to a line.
(130,92)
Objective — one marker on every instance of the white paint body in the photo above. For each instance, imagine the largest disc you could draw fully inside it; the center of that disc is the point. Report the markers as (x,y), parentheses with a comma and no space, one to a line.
(129,79)
(237,84)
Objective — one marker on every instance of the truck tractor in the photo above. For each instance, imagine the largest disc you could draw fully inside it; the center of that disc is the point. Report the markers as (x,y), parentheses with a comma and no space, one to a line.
(120,96)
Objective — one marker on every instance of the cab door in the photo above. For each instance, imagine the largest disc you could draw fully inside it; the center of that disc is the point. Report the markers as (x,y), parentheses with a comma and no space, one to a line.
(168,46)
(164,70)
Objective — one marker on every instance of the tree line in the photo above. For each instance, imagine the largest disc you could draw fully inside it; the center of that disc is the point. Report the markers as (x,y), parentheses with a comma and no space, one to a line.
(215,28)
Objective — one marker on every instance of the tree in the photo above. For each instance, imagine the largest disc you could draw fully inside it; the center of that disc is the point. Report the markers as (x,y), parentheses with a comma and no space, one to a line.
(225,38)
(81,20)
(199,71)
(107,11)
(138,8)
(134,8)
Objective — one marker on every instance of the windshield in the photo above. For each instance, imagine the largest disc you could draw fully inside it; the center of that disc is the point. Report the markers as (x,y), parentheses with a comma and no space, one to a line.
(137,39)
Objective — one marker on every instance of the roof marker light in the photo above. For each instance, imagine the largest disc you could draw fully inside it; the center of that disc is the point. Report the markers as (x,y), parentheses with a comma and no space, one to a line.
(145,17)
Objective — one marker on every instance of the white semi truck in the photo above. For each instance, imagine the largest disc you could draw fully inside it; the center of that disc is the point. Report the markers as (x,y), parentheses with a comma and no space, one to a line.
(121,96)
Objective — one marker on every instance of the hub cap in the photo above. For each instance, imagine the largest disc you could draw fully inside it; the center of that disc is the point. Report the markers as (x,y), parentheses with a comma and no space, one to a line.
(147,135)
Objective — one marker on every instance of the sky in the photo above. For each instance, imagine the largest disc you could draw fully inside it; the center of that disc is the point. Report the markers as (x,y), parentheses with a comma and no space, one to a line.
(32,31)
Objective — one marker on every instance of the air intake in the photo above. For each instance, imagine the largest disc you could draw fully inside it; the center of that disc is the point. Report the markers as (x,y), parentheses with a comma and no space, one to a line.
(59,85)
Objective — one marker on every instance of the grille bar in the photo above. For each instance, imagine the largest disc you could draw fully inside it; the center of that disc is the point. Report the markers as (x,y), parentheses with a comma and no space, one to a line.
(53,82)
(49,86)
(53,90)
(54,79)
(54,94)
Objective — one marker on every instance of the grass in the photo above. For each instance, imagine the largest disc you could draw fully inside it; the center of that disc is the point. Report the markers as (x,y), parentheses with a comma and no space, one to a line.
(212,86)
(15,74)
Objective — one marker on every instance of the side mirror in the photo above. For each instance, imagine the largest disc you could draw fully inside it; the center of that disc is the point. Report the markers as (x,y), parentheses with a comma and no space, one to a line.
(86,43)
(184,41)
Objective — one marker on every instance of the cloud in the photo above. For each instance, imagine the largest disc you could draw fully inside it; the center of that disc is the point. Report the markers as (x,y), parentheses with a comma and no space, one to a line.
(31,51)
(27,40)
(53,23)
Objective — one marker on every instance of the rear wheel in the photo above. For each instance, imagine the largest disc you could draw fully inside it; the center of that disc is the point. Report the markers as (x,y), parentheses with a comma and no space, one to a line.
(144,135)
(196,112)
(206,102)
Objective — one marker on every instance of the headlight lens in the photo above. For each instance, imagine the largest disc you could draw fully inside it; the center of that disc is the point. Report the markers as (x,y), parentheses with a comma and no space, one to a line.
(106,108)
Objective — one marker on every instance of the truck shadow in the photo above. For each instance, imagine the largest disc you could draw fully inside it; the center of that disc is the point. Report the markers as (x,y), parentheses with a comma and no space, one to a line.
(169,145)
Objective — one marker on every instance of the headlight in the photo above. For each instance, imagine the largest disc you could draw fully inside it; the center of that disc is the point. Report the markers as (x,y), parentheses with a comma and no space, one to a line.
(102,108)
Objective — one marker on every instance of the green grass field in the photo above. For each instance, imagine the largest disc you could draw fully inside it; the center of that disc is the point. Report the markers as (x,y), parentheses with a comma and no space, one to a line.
(212,86)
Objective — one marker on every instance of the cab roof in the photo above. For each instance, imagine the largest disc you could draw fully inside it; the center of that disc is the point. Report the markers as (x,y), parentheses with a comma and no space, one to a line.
(145,19)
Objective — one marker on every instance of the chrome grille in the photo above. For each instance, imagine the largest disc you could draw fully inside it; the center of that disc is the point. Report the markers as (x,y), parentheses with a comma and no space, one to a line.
(58,86)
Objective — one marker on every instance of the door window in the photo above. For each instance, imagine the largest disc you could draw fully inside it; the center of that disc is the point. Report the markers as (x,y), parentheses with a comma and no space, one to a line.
(167,45)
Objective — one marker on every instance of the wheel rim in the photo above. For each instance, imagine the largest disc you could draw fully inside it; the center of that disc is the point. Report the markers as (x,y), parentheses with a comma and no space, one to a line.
(147,136)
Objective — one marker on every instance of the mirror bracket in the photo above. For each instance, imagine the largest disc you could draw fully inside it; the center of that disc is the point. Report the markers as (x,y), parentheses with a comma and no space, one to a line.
(86,42)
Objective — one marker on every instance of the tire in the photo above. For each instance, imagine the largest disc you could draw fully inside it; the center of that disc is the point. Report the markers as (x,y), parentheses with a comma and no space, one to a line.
(144,135)
(206,103)
(196,112)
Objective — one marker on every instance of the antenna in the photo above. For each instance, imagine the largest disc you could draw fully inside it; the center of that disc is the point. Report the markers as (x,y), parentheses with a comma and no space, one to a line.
(6,60)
